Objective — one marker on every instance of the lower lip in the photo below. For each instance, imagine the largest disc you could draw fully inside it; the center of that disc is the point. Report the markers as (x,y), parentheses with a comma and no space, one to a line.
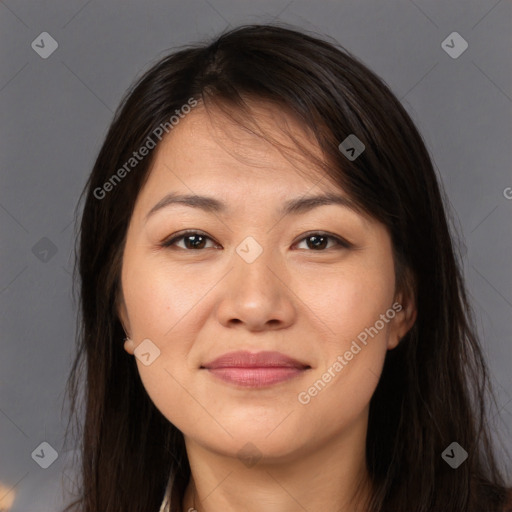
(256,377)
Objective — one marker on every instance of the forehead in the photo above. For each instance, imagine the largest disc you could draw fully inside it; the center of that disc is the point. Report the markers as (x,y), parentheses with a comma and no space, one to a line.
(269,167)
(214,149)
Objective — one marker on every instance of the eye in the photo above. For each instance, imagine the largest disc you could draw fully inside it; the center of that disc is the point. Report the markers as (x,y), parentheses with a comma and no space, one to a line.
(318,240)
(193,240)
(196,240)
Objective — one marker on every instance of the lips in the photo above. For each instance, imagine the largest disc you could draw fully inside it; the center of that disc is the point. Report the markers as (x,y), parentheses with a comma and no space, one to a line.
(255,370)
(244,359)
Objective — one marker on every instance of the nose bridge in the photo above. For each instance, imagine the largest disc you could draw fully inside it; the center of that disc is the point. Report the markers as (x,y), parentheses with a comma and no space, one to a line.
(253,261)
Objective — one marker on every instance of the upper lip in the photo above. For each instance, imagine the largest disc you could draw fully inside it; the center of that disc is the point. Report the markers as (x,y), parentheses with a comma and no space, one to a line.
(245,359)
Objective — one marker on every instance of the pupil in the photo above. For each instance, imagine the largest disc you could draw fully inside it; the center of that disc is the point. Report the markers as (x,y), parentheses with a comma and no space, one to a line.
(315,237)
(196,244)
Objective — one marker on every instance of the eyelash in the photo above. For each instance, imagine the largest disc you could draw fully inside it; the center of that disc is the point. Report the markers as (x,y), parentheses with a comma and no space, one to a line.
(340,242)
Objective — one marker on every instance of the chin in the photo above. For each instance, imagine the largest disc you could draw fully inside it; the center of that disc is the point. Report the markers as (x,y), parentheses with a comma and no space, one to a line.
(255,444)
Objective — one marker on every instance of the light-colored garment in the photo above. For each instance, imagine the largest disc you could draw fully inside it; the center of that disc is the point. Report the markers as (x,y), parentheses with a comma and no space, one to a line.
(166,506)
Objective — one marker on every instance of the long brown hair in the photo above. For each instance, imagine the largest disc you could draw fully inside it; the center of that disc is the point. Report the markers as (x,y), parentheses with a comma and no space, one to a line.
(434,388)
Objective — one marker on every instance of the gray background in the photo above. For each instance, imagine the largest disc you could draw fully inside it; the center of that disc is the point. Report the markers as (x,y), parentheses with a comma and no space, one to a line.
(55,113)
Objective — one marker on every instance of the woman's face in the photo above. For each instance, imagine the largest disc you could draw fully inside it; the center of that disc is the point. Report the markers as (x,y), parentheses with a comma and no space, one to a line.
(255,279)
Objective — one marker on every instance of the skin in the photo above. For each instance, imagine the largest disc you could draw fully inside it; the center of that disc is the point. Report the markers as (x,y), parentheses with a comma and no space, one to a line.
(308,303)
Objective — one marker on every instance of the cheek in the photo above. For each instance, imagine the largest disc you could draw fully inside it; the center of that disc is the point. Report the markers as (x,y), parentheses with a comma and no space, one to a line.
(157,302)
(333,407)
(158,298)
(352,360)
(354,307)
(349,299)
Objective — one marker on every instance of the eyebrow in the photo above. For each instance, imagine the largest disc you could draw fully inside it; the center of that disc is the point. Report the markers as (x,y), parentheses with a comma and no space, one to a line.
(295,206)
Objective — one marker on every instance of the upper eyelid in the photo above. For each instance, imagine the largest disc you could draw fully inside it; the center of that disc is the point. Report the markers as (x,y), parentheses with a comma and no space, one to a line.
(339,240)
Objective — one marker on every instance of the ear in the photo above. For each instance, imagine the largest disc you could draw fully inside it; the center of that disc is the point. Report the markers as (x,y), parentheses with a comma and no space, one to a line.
(405,317)
(129,346)
(122,313)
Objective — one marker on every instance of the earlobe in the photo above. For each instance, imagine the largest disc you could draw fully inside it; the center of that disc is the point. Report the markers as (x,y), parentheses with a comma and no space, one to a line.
(129,346)
(393,341)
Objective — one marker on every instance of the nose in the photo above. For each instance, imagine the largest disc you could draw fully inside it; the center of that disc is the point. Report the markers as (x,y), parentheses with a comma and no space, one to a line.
(256,295)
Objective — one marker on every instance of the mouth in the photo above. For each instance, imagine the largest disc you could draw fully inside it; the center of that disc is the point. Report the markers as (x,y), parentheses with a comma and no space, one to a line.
(261,369)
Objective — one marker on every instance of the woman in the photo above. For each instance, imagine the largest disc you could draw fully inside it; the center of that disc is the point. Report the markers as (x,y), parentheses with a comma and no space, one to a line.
(273,316)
